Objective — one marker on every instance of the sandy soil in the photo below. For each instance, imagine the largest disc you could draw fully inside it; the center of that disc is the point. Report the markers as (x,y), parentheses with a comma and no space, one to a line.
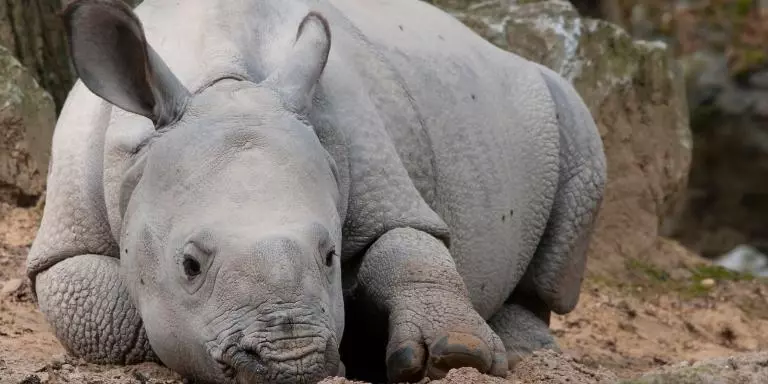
(655,315)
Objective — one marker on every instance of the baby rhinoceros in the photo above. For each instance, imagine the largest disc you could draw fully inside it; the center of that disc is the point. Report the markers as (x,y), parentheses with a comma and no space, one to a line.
(233,182)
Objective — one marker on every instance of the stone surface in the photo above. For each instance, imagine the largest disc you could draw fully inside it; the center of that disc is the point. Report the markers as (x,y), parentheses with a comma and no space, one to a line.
(27,120)
(32,31)
(636,94)
(749,368)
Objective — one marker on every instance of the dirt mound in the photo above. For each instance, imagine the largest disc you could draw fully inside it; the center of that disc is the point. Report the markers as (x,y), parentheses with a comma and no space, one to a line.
(544,367)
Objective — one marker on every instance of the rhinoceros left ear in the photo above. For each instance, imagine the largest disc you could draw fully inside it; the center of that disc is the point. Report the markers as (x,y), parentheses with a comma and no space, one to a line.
(295,81)
(112,58)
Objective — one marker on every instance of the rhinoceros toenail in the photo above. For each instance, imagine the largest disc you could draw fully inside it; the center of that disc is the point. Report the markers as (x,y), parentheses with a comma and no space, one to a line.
(456,350)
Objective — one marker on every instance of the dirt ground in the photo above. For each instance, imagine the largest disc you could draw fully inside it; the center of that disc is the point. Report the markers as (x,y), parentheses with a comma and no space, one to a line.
(659,313)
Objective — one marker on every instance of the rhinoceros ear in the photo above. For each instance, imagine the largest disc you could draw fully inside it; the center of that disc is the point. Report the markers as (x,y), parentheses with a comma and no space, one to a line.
(296,79)
(112,58)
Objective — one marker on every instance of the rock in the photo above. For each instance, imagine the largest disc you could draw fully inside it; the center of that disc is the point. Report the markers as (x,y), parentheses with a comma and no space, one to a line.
(27,119)
(750,368)
(708,283)
(33,32)
(637,96)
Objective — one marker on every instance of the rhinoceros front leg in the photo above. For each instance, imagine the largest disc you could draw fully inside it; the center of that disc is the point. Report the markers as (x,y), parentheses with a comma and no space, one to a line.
(433,327)
(90,311)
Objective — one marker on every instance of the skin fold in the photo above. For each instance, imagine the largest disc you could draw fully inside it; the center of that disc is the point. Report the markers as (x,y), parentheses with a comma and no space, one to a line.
(301,183)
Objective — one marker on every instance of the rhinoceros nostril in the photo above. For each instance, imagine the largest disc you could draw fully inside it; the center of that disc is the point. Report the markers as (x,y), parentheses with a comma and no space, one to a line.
(226,369)
(236,360)
(250,361)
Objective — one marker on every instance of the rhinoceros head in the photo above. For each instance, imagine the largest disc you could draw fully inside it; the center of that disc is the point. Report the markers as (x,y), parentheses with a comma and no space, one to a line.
(230,236)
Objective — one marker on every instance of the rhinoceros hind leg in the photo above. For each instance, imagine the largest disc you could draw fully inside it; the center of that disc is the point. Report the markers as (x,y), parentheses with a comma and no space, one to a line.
(90,311)
(557,269)
(523,326)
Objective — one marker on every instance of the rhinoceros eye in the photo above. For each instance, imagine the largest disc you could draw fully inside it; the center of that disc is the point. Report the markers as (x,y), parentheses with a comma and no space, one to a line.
(329,258)
(191,266)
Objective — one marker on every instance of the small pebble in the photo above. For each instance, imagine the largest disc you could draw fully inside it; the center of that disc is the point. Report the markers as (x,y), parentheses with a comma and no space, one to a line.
(11,286)
(708,283)
(140,376)
(31,379)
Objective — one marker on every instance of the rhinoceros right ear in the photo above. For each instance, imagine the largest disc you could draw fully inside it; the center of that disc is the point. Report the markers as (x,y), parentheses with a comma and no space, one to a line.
(304,63)
(111,56)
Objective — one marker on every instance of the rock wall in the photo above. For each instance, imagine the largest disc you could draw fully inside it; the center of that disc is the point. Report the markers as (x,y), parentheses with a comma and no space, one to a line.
(32,31)
(35,78)
(27,119)
(721,44)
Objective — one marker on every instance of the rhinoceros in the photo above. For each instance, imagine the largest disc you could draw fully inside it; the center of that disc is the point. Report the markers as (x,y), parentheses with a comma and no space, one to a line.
(234,181)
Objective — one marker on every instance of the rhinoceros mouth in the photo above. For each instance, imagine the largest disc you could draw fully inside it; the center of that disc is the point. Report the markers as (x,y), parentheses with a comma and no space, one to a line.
(267,361)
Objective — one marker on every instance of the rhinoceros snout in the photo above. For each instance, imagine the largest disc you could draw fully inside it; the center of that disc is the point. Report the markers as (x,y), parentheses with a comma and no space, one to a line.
(295,359)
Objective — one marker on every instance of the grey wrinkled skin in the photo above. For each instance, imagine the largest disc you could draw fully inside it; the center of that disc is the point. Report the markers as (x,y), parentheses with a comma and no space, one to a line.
(235,185)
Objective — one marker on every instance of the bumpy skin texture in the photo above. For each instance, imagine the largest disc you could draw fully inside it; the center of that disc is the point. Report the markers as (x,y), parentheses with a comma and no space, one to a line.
(522,330)
(432,325)
(557,269)
(88,305)
(458,183)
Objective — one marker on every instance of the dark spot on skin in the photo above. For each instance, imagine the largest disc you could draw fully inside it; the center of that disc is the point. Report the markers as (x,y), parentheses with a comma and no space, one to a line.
(511,212)
(474,97)
(503,218)
(141,280)
(401,27)
(440,37)
(482,287)
(126,251)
